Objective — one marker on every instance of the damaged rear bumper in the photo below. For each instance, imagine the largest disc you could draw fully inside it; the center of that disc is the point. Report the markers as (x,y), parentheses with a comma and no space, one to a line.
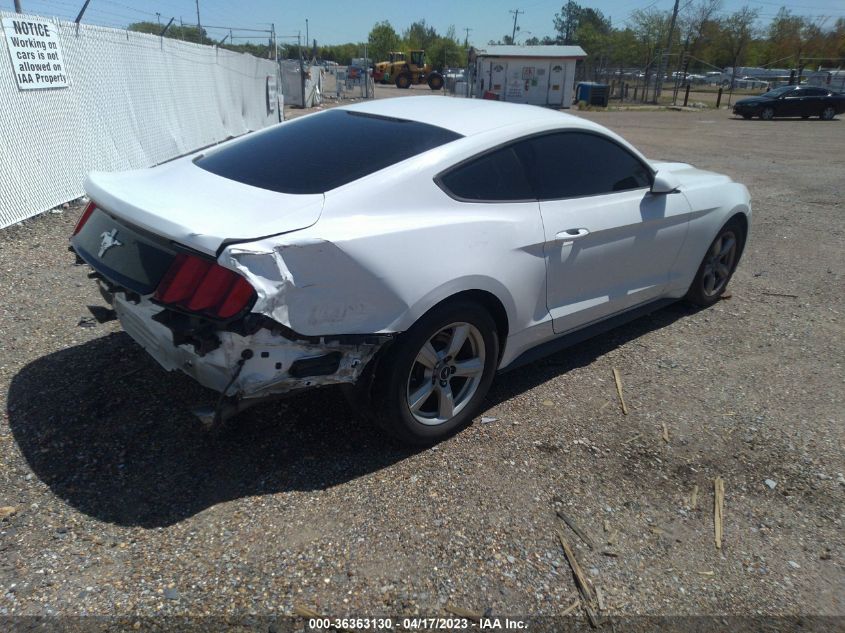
(249,367)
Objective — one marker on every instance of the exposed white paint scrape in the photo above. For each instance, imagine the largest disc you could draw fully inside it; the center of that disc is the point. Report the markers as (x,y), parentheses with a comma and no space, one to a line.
(314,287)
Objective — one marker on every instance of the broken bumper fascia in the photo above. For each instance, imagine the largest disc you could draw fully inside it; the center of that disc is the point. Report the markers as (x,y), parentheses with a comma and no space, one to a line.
(250,366)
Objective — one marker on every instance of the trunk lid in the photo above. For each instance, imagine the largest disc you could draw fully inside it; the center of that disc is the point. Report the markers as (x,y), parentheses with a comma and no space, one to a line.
(198,209)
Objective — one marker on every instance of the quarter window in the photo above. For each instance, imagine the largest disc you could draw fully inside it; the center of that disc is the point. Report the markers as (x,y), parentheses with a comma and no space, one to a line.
(494,177)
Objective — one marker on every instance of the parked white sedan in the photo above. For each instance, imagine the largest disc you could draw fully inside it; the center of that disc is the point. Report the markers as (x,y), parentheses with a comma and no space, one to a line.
(408,248)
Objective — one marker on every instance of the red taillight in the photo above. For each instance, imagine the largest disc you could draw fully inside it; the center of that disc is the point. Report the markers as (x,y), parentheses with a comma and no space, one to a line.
(201,285)
(89,209)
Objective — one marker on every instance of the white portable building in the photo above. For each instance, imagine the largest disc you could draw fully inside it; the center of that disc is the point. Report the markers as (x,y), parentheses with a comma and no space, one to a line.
(539,75)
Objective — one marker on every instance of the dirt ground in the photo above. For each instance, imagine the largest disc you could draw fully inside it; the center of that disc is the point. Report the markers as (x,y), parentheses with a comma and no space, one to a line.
(117,503)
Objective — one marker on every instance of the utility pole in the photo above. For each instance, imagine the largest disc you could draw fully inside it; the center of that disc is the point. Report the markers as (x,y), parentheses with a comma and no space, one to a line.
(664,58)
(181,28)
(18,6)
(199,26)
(366,74)
(301,68)
(307,37)
(270,54)
(158,17)
(516,14)
(466,39)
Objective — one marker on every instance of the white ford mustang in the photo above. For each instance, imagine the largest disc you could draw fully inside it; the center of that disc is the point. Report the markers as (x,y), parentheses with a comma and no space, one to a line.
(408,248)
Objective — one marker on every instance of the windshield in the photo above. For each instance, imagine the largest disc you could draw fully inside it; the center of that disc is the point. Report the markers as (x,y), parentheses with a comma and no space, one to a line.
(323,151)
(779,91)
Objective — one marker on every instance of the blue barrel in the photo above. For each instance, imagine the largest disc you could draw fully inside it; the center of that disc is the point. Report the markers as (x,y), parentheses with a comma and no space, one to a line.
(583,91)
(592,93)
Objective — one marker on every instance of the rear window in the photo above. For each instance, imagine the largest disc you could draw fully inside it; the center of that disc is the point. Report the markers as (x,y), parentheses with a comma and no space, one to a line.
(322,152)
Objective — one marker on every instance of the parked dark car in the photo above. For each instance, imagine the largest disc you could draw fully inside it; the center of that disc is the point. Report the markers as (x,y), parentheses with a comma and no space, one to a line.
(792,101)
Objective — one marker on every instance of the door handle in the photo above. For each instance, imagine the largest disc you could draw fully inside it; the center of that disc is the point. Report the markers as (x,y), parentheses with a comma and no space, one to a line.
(571,234)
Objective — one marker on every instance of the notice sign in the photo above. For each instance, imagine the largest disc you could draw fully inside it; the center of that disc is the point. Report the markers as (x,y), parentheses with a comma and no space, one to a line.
(36,53)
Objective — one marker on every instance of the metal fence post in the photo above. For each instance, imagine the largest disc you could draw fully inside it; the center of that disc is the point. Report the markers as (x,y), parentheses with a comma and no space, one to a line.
(686,96)
(719,98)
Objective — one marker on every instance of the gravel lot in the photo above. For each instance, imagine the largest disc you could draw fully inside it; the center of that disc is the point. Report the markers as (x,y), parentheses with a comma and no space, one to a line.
(117,503)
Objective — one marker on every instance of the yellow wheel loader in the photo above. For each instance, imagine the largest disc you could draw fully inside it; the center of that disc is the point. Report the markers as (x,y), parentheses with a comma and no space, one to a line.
(405,72)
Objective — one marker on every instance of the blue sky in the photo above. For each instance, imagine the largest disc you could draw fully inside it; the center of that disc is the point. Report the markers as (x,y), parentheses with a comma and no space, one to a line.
(337,21)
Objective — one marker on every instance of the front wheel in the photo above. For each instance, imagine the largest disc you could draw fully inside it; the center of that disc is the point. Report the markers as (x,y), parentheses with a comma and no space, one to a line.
(767,114)
(828,113)
(435,81)
(435,376)
(718,266)
(403,80)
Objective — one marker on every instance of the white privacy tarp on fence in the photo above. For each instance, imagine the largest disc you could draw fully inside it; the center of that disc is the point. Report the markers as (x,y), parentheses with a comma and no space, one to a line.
(133,100)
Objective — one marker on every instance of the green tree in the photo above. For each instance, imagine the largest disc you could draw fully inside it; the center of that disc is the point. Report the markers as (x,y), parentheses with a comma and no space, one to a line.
(650,28)
(419,35)
(187,33)
(697,24)
(737,34)
(506,40)
(566,22)
(446,51)
(785,37)
(382,40)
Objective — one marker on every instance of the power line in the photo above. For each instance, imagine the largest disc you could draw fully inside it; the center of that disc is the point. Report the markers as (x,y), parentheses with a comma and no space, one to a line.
(783,6)
(118,4)
(238,28)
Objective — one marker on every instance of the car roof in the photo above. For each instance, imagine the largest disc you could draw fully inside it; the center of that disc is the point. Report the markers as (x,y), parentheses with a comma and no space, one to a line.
(467,116)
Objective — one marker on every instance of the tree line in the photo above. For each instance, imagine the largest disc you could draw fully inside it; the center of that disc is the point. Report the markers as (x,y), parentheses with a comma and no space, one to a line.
(709,36)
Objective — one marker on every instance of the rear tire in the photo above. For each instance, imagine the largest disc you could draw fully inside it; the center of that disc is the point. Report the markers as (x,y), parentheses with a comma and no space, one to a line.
(434,378)
(435,81)
(828,114)
(718,266)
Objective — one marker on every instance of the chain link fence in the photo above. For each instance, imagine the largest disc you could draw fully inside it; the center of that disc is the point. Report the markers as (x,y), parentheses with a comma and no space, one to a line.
(132,100)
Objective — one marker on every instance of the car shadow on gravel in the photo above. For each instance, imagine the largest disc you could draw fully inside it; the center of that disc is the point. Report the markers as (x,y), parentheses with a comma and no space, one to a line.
(109,432)
(525,378)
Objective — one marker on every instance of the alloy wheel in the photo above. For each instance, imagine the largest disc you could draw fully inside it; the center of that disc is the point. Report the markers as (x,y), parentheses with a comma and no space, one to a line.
(446,373)
(767,114)
(719,263)
(828,113)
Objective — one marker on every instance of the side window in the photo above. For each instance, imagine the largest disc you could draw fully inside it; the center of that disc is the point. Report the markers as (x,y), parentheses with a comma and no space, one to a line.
(575,164)
(494,177)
